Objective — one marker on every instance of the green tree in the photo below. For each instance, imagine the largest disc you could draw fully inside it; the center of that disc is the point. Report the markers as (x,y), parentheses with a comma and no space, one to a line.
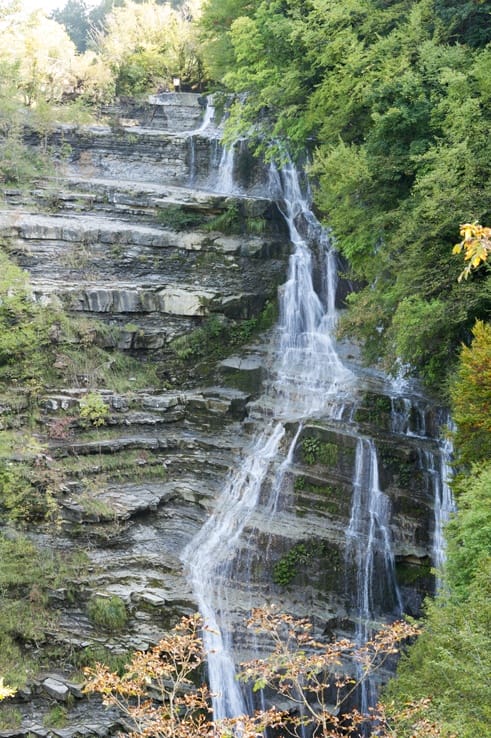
(146,44)
(451,662)
(397,114)
(466,21)
(74,16)
(215,24)
(471,397)
(43,53)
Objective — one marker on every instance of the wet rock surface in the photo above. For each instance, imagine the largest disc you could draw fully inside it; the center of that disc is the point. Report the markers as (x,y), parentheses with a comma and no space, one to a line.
(136,490)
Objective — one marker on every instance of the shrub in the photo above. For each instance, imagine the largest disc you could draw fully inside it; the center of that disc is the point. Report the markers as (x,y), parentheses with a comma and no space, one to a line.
(108,612)
(286,569)
(315,451)
(471,397)
(93,410)
(57,717)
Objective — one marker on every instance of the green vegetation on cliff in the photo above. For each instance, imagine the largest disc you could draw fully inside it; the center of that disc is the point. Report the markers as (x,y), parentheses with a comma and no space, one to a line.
(450,664)
(394,101)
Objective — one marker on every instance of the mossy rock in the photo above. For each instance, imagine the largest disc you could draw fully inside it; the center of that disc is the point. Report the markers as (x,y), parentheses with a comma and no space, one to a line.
(375,410)
(322,448)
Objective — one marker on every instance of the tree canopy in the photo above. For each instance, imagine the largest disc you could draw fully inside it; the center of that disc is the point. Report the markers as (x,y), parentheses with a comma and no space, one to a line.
(393,100)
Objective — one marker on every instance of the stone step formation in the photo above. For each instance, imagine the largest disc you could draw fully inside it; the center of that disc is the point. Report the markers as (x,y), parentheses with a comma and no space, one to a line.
(130,237)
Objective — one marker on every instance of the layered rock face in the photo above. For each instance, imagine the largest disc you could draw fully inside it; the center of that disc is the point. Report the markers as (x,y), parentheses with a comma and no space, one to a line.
(128,235)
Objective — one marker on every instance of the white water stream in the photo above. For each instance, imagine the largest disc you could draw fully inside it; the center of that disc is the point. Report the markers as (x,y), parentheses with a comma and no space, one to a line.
(435,464)
(308,379)
(369,554)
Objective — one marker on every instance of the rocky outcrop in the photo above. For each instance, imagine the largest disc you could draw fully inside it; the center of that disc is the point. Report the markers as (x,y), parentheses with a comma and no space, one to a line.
(122,239)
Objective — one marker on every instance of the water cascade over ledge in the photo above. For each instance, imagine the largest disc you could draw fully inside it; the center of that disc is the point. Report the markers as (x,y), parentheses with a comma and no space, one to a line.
(308,379)
(270,466)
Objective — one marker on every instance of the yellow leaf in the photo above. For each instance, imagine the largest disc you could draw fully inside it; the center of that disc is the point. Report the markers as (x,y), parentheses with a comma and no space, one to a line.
(5,691)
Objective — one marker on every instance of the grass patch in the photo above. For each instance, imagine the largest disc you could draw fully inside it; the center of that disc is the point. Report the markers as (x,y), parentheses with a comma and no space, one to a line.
(96,654)
(57,717)
(10,717)
(27,575)
(178,218)
(108,613)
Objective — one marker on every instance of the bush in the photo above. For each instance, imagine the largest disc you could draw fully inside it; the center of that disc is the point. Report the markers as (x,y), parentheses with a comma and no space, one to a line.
(314,451)
(93,410)
(471,398)
(108,612)
(26,576)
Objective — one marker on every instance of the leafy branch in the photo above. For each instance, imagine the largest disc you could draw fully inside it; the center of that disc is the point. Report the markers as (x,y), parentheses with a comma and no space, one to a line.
(476,245)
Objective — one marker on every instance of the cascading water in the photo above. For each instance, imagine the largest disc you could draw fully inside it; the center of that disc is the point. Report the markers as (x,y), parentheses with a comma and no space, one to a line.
(225,181)
(308,379)
(207,126)
(444,503)
(409,418)
(369,553)
(209,557)
(369,540)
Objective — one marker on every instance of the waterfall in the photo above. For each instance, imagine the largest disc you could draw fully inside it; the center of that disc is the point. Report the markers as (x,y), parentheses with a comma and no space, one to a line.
(209,115)
(369,553)
(192,161)
(209,556)
(444,503)
(436,466)
(408,418)
(369,541)
(308,379)
(225,180)
(309,371)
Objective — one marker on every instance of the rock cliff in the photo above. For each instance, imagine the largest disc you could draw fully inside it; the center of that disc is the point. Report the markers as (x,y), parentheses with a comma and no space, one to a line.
(134,236)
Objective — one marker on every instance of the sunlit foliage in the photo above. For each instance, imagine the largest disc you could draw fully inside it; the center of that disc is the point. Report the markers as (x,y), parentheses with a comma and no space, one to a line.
(161,693)
(392,99)
(475,245)
(146,44)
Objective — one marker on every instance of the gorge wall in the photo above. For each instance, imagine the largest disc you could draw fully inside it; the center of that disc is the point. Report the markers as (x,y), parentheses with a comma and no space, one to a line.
(128,237)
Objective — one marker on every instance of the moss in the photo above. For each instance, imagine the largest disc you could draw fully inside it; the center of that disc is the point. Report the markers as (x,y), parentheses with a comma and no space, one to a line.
(375,409)
(178,218)
(408,573)
(315,451)
(400,466)
(309,556)
(135,464)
